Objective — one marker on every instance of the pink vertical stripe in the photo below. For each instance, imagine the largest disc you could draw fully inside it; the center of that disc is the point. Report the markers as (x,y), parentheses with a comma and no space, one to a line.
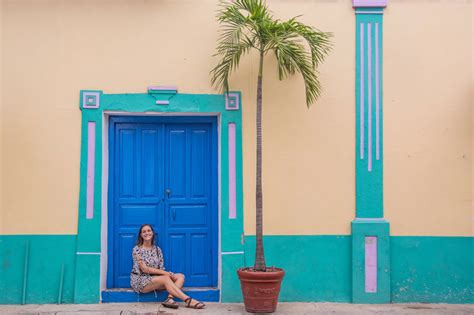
(377,95)
(361,71)
(90,169)
(371,264)
(369,96)
(232,172)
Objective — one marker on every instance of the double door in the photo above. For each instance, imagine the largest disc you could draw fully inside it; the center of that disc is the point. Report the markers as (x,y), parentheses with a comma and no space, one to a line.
(163,171)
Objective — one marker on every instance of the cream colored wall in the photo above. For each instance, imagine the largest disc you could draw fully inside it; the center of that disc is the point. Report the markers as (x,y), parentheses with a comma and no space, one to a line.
(53,49)
(427,115)
(308,163)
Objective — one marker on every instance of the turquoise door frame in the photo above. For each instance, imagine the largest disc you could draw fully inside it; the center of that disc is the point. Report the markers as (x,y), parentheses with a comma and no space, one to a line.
(96,107)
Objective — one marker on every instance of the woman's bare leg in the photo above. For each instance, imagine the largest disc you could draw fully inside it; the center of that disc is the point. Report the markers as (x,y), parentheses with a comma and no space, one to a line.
(160,282)
(179,280)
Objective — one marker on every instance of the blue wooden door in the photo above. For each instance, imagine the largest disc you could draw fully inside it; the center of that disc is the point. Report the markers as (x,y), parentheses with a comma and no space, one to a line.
(163,171)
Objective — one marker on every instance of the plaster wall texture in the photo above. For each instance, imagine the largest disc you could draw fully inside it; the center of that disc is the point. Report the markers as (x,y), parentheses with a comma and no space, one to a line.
(428,117)
(51,50)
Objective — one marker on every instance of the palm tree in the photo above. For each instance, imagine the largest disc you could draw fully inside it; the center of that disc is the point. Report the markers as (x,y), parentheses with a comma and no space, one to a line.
(247,25)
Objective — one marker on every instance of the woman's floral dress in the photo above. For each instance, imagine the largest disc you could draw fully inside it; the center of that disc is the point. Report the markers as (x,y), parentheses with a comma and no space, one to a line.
(152,257)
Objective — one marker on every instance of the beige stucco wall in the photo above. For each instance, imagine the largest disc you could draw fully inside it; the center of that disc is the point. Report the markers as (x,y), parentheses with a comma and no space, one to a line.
(53,49)
(428,93)
(308,154)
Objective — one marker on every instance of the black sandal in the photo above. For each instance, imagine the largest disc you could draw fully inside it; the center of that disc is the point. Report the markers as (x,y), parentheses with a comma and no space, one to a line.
(169,304)
(197,306)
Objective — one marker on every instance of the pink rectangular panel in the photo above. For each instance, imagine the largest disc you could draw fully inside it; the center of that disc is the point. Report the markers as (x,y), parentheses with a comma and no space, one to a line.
(369,3)
(232,172)
(90,169)
(371,264)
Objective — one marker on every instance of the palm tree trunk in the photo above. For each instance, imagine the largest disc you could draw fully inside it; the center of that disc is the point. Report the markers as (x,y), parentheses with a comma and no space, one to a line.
(259,254)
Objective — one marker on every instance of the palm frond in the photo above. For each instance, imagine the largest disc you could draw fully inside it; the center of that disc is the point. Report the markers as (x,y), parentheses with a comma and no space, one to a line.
(286,40)
(240,32)
(248,24)
(292,57)
(319,42)
(231,54)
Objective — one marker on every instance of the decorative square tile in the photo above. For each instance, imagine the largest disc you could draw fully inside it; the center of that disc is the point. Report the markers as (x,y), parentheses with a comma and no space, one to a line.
(90,99)
(232,101)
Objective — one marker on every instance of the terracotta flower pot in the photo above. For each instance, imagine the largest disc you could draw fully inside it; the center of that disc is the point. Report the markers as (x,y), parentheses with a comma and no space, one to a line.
(260,289)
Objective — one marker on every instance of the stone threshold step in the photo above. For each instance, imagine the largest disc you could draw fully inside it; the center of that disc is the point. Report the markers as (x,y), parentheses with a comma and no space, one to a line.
(128,295)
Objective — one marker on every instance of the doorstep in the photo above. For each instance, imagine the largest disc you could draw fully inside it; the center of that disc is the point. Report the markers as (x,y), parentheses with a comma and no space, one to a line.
(128,295)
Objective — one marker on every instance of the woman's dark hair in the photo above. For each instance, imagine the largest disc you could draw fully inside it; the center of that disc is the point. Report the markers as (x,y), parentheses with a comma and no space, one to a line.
(140,238)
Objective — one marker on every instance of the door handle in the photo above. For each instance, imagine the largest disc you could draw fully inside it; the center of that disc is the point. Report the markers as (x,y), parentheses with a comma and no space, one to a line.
(168,192)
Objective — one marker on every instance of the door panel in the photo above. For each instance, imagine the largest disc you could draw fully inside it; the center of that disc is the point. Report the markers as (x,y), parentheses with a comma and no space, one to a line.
(126,241)
(163,173)
(176,161)
(177,253)
(198,246)
(199,163)
(149,171)
(134,215)
(187,215)
(127,162)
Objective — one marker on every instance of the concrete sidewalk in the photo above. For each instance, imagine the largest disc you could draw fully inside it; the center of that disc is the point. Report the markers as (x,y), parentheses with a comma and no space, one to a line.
(233,309)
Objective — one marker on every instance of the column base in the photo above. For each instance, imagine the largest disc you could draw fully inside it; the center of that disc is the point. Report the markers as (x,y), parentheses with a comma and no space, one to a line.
(371,261)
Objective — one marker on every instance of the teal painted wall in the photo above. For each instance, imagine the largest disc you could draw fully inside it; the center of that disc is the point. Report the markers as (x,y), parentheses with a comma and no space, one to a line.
(230,287)
(432,269)
(47,254)
(423,269)
(318,268)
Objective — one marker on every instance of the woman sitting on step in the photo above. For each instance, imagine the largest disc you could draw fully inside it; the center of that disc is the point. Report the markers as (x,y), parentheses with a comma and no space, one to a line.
(148,272)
